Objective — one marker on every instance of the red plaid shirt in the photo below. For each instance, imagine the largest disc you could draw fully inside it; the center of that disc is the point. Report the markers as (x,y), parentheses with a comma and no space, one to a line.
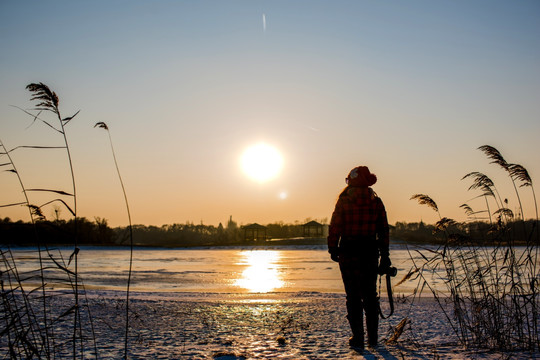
(358,212)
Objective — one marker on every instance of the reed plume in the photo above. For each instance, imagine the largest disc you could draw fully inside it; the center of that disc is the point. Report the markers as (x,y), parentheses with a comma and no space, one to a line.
(487,186)
(49,99)
(425,200)
(494,155)
(504,212)
(480,181)
(468,210)
(444,224)
(518,172)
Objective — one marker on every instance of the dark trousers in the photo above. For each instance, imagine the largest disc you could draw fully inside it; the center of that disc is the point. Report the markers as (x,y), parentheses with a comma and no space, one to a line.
(359,273)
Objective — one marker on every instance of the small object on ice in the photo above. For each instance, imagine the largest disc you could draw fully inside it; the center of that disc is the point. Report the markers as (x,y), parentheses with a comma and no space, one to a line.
(228,356)
(281,340)
(398,331)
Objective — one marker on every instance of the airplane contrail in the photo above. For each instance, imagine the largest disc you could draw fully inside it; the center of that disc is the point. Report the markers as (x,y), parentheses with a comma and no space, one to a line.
(264,22)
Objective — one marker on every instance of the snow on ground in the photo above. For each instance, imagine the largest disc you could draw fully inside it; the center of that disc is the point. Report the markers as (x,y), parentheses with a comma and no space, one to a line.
(264,326)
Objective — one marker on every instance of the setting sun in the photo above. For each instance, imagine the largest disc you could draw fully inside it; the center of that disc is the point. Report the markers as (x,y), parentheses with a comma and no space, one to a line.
(261,162)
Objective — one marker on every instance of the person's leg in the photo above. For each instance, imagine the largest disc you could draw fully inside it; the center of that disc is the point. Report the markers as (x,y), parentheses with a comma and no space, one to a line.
(351,274)
(371,305)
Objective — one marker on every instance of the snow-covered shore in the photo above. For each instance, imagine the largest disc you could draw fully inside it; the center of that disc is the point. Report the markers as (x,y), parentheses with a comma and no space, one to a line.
(264,326)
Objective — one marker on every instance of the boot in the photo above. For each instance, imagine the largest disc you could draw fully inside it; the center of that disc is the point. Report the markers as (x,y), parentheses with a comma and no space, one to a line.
(372,324)
(357,328)
(356,342)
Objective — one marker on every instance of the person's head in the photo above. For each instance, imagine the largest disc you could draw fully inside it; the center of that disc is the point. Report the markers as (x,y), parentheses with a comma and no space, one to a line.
(361,177)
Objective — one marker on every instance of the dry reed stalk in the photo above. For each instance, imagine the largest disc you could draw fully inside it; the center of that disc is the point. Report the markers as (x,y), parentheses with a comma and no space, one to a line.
(46,342)
(398,330)
(49,101)
(493,291)
(102,125)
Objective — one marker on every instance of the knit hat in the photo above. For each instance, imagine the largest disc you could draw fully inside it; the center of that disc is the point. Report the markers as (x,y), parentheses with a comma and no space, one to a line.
(361,177)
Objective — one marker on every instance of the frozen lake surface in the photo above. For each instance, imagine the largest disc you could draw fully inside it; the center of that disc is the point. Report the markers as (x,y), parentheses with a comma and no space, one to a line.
(216,270)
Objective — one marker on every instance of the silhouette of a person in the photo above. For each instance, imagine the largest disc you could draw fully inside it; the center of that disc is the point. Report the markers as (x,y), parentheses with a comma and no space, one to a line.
(357,237)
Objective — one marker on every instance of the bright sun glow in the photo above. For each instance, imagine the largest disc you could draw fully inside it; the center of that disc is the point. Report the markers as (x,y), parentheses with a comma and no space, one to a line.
(261,275)
(262,162)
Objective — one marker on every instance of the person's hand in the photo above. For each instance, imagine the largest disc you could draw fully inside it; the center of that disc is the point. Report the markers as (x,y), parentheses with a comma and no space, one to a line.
(384,264)
(334,254)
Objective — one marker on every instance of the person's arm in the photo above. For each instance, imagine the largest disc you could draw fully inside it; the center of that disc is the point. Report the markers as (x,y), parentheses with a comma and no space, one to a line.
(383,238)
(335,230)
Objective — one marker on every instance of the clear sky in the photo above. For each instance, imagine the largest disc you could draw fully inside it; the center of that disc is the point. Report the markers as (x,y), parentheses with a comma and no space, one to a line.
(410,89)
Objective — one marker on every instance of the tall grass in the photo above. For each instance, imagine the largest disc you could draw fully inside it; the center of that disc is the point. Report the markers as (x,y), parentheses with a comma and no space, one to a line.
(49,101)
(493,289)
(29,311)
(8,258)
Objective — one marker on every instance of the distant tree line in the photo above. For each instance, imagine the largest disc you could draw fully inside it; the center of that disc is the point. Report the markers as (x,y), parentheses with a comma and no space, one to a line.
(57,232)
(99,233)
(476,232)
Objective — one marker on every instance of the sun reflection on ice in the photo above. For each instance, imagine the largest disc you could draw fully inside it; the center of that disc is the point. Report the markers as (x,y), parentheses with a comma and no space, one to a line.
(261,275)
